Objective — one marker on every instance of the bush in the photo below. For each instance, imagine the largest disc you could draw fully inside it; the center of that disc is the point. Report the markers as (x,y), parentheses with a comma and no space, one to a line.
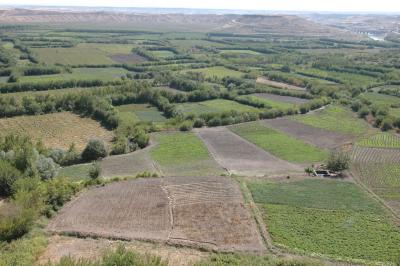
(363,112)
(58,192)
(387,124)
(198,123)
(95,170)
(186,126)
(338,161)
(94,150)
(46,167)
(8,175)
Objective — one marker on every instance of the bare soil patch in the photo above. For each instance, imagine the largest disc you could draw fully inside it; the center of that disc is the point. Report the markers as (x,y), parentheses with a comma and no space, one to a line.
(239,156)
(89,248)
(276,84)
(315,136)
(128,164)
(128,58)
(201,212)
(280,98)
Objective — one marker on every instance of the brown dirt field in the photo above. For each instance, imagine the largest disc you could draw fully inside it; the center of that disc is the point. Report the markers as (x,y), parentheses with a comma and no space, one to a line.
(89,248)
(315,136)
(128,58)
(201,212)
(56,130)
(280,85)
(128,164)
(239,156)
(280,98)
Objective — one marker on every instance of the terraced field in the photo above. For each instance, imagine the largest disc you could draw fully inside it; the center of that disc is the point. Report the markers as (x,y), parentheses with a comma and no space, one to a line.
(201,212)
(58,130)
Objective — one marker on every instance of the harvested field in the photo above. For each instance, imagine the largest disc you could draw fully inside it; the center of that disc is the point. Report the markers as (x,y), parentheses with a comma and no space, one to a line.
(128,58)
(58,130)
(280,98)
(128,164)
(281,85)
(239,156)
(89,248)
(316,136)
(205,212)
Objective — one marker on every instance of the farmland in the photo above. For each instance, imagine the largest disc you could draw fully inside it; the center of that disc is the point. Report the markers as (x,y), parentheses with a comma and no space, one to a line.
(56,130)
(279,144)
(353,224)
(196,139)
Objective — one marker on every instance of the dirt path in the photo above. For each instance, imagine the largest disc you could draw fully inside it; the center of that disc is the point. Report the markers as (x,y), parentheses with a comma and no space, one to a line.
(241,157)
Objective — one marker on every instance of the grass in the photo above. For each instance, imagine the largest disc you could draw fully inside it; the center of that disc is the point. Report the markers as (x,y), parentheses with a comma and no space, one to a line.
(162,54)
(329,217)
(240,52)
(76,172)
(214,106)
(83,53)
(183,153)
(104,74)
(142,112)
(380,140)
(279,143)
(217,71)
(335,118)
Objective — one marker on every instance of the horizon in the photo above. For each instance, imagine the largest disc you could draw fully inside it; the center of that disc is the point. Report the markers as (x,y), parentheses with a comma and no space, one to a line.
(308,6)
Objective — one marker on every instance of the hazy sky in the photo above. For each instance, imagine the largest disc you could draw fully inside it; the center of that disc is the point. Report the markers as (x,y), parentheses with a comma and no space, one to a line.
(290,5)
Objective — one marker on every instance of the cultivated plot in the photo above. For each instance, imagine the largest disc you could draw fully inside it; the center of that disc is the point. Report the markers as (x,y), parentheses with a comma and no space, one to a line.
(281,98)
(203,212)
(316,136)
(240,156)
(276,84)
(58,130)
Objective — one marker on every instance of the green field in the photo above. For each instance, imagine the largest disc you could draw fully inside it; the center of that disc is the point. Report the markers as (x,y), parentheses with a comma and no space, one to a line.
(381,140)
(162,54)
(279,144)
(250,52)
(104,74)
(142,112)
(83,53)
(328,217)
(268,102)
(181,154)
(76,172)
(217,71)
(335,118)
(214,106)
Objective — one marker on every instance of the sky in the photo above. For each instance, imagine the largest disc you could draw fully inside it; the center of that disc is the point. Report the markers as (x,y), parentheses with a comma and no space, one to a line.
(283,5)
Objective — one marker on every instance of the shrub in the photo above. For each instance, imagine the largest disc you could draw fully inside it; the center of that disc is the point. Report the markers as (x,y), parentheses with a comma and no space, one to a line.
(387,124)
(46,167)
(186,126)
(94,150)
(338,161)
(363,112)
(58,192)
(15,221)
(95,170)
(8,175)
(199,122)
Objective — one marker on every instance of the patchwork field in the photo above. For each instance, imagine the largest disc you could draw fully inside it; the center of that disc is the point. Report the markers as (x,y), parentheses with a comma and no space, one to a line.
(379,170)
(279,144)
(334,218)
(334,118)
(276,84)
(202,212)
(241,157)
(181,154)
(142,112)
(83,53)
(217,71)
(319,137)
(128,164)
(214,106)
(58,130)
(280,98)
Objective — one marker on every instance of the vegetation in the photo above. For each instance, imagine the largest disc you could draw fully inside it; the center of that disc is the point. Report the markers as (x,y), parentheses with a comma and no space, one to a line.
(279,144)
(353,224)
